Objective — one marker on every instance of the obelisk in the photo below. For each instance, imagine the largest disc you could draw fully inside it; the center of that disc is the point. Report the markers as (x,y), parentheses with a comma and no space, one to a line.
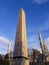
(20,49)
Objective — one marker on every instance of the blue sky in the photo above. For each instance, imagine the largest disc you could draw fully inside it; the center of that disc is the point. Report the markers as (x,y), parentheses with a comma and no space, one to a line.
(37,17)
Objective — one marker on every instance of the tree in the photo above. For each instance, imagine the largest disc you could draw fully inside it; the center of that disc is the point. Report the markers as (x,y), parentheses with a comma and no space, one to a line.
(1,60)
(7,56)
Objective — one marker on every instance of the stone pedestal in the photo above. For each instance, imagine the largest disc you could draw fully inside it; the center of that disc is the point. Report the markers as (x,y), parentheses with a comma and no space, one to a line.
(19,62)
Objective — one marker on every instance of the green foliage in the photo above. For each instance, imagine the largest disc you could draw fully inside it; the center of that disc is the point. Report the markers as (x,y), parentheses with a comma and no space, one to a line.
(6,62)
(1,60)
(7,56)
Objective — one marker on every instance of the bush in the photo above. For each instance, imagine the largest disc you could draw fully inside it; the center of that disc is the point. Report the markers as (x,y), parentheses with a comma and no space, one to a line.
(6,62)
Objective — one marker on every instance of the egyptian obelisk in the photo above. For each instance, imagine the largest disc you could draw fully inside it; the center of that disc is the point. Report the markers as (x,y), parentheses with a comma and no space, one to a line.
(20,49)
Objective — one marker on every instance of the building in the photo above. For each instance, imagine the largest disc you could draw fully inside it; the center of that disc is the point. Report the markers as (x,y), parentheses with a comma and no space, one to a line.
(34,55)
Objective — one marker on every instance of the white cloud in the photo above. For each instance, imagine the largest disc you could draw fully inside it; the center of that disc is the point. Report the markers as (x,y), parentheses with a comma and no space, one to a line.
(44,26)
(35,46)
(32,38)
(3,40)
(39,1)
(33,42)
(47,42)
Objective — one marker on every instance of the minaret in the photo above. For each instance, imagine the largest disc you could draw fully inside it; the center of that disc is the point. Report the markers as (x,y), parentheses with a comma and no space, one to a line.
(9,49)
(20,48)
(9,46)
(44,49)
(41,42)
